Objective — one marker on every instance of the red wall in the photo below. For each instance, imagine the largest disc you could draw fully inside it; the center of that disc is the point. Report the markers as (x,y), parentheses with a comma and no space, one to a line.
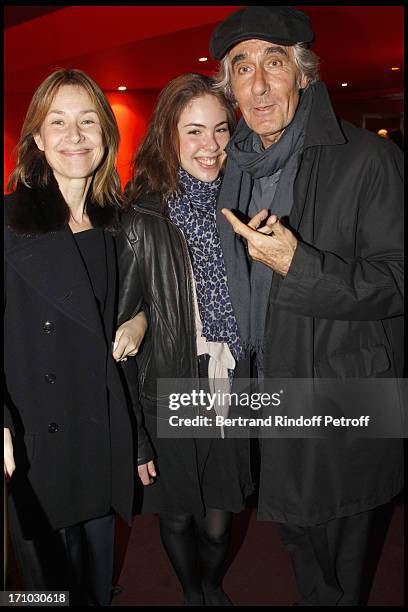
(132,111)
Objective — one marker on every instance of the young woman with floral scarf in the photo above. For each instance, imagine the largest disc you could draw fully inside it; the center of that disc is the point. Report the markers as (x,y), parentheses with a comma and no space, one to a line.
(170,259)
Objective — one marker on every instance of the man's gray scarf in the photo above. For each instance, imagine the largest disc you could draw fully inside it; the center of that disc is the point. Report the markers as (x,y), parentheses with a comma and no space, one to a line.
(249,283)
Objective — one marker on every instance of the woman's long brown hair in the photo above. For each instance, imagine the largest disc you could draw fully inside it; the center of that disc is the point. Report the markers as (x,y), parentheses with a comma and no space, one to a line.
(156,163)
(32,168)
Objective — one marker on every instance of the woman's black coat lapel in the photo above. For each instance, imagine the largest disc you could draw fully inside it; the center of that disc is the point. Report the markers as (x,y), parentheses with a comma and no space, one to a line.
(42,249)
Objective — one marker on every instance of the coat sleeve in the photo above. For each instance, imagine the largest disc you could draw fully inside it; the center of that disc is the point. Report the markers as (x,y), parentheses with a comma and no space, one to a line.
(145,452)
(130,302)
(368,286)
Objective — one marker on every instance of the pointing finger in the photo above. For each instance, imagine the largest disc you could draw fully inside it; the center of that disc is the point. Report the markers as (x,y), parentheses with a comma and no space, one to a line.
(239,228)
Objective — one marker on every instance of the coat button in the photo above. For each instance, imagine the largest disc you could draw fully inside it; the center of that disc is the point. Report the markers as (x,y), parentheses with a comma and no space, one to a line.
(50,378)
(49,327)
(53,427)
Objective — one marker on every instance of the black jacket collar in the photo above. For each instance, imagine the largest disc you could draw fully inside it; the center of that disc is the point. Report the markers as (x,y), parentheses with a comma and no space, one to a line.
(323,127)
(150,201)
(33,211)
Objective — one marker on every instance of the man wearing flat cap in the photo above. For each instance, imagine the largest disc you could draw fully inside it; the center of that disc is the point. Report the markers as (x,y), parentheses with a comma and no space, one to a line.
(316,281)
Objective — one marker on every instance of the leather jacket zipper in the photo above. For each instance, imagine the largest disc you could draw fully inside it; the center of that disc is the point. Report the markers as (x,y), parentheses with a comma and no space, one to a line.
(143,370)
(191,300)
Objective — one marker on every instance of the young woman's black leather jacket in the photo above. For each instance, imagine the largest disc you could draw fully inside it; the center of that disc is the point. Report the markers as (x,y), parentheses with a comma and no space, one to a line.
(155,270)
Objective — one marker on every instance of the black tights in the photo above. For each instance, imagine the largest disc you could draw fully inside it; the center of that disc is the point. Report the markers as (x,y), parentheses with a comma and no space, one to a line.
(197,548)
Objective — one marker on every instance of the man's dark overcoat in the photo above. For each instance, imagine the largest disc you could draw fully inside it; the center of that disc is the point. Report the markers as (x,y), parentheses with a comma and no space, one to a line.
(65,401)
(337,314)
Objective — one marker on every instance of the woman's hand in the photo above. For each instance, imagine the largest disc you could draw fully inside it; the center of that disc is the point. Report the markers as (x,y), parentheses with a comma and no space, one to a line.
(146,471)
(9,465)
(129,337)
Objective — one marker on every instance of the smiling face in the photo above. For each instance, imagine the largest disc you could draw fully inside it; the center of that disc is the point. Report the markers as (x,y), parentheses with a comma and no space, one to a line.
(265,83)
(203,135)
(71,135)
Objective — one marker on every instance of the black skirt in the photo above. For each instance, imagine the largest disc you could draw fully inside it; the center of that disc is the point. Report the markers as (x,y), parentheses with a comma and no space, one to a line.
(197,473)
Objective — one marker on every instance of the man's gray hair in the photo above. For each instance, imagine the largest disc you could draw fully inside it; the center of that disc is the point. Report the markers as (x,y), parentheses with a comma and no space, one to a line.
(306,60)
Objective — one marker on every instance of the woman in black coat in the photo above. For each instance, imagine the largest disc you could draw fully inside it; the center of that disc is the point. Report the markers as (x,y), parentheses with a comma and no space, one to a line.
(170,260)
(68,431)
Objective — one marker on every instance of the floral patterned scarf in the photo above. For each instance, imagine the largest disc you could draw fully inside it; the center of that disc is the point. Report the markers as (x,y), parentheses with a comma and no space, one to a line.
(194,212)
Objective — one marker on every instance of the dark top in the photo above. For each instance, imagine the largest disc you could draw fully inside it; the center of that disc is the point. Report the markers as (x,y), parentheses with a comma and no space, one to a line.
(91,244)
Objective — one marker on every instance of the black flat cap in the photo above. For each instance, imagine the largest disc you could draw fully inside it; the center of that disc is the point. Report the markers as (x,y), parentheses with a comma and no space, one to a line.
(283,25)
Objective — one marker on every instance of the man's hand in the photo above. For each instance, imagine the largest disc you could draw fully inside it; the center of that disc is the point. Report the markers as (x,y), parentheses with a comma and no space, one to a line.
(129,337)
(272,244)
(9,465)
(146,471)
